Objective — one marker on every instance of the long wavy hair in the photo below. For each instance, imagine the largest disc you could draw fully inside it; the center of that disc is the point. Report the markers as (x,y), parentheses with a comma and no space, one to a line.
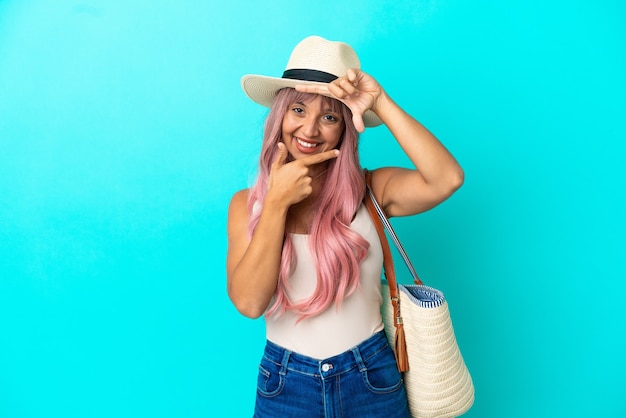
(337,251)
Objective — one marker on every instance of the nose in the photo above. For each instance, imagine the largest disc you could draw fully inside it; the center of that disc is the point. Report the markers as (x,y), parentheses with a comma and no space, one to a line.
(310,127)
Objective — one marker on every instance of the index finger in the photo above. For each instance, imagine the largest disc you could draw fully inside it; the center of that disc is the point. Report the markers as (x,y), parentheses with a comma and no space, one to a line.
(320,158)
(314,88)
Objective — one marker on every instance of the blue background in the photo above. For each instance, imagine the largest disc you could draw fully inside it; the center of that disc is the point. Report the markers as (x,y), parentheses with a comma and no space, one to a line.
(124,132)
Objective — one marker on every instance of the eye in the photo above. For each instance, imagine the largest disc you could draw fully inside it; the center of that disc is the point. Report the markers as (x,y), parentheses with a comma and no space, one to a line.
(331,118)
(297,109)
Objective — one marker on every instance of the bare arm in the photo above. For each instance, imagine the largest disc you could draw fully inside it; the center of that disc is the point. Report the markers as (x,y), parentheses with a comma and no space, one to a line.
(436,176)
(253,264)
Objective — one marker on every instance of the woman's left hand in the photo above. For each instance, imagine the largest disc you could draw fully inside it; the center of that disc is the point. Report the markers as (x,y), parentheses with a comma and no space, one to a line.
(357,90)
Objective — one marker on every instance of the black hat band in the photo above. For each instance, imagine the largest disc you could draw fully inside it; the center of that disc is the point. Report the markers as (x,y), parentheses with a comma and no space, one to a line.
(309,75)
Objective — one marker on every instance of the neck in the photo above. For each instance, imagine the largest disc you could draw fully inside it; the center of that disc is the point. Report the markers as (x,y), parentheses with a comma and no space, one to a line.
(318,173)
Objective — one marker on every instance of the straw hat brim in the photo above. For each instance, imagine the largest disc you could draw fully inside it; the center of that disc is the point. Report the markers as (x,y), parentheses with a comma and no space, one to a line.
(263,89)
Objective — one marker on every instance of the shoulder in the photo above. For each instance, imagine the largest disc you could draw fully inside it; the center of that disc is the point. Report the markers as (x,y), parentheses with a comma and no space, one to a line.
(240,197)
(238,208)
(403,192)
(380,179)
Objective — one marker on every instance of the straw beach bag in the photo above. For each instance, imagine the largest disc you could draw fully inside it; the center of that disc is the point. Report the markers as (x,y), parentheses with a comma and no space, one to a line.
(419,329)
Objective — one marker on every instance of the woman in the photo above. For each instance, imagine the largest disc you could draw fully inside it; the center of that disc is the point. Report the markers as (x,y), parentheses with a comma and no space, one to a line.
(303,251)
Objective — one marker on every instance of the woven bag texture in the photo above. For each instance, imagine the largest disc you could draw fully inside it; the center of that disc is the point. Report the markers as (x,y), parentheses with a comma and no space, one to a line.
(438,383)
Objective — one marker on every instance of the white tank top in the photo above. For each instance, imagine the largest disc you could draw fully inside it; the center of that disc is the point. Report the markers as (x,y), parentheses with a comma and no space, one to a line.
(336,329)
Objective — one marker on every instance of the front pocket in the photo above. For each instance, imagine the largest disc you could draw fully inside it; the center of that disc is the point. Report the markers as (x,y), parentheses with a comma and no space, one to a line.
(381,373)
(269,382)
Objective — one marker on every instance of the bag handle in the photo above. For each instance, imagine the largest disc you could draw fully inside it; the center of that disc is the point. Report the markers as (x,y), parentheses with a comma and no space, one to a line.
(381,223)
(394,237)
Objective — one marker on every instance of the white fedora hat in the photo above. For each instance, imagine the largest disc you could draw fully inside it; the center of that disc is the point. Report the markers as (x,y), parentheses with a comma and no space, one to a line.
(314,60)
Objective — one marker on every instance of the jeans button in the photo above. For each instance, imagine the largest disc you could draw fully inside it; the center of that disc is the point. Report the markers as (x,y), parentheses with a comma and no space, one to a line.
(326,367)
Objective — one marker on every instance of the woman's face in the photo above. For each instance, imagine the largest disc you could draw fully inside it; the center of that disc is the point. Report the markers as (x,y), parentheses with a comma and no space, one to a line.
(310,127)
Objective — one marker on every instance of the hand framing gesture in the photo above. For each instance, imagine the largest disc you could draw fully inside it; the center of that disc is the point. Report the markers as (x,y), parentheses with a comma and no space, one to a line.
(357,90)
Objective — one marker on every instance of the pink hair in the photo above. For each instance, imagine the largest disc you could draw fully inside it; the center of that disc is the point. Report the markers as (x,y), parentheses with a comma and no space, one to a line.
(337,250)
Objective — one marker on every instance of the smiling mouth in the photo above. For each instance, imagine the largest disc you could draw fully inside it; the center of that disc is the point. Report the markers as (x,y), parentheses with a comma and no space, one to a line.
(306,144)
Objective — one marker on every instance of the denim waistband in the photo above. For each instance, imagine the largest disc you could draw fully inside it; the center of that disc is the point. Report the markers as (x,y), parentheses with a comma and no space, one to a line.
(332,366)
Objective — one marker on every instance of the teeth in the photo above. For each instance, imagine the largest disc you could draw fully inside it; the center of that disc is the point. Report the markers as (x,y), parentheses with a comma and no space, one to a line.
(306,144)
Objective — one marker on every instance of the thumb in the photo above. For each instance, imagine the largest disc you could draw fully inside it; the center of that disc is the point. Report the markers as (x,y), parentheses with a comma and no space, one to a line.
(357,120)
(281,155)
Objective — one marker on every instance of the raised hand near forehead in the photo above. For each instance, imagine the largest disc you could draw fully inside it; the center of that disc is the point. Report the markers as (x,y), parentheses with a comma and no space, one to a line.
(291,182)
(357,90)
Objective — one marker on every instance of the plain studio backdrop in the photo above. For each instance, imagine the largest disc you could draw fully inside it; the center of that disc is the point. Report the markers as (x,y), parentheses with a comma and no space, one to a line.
(124,133)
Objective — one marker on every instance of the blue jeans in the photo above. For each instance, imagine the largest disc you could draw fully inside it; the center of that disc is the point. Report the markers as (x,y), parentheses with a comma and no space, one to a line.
(361,382)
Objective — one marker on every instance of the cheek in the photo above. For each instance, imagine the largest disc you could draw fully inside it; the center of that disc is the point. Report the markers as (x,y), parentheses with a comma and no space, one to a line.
(335,136)
(288,122)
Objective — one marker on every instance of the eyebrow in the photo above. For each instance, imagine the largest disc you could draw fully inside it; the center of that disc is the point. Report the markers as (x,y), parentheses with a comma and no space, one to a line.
(328,109)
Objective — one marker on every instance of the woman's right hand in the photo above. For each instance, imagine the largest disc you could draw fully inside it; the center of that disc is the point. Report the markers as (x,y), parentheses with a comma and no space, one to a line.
(291,182)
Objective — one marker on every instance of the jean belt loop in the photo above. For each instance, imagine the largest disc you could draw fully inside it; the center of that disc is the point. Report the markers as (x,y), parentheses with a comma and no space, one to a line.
(359,359)
(284,362)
